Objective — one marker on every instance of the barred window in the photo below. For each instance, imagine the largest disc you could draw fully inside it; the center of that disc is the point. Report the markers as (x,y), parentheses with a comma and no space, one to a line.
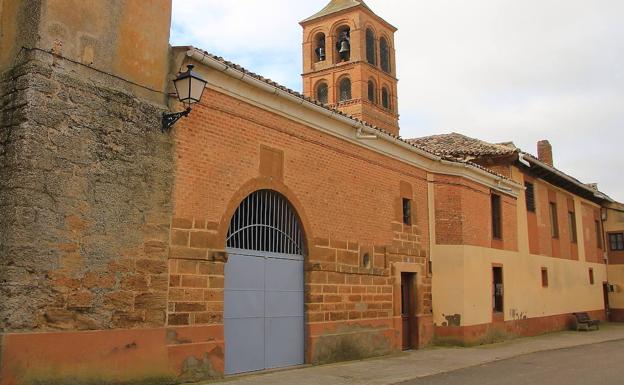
(554,220)
(385,98)
(407,211)
(372,97)
(497,230)
(616,241)
(345,90)
(598,234)
(529,194)
(572,224)
(385,54)
(322,93)
(371,52)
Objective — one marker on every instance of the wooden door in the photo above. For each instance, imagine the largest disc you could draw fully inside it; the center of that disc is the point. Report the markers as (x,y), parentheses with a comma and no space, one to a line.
(408,309)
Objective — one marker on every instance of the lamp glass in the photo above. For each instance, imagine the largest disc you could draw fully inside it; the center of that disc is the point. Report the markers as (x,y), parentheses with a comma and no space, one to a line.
(190,86)
(183,88)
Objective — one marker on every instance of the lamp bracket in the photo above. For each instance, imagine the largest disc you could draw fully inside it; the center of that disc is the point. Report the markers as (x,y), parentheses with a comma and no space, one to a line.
(168,120)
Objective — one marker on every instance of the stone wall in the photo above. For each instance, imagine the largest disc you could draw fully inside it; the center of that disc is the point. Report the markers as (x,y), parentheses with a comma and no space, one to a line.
(84,201)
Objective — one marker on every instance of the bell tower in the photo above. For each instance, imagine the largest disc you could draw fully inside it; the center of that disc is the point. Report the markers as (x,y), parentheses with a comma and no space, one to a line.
(349,62)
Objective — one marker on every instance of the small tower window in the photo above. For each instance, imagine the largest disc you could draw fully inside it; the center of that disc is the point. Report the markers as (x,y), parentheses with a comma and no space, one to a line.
(385,54)
(319,48)
(343,44)
(371,54)
(385,98)
(345,89)
(372,92)
(322,91)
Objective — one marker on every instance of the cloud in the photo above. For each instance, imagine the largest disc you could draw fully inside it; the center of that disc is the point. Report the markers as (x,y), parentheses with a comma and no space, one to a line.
(498,70)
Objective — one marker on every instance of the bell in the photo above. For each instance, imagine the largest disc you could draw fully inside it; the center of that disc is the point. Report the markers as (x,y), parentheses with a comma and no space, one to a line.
(320,51)
(344,46)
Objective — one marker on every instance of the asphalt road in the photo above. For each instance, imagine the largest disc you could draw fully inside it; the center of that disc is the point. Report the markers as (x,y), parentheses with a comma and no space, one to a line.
(600,364)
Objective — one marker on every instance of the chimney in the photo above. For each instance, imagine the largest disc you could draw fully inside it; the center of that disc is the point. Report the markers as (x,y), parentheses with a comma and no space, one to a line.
(544,152)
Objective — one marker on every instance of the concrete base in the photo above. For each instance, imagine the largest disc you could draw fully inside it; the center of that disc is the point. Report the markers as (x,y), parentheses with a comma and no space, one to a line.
(139,356)
(498,331)
(616,315)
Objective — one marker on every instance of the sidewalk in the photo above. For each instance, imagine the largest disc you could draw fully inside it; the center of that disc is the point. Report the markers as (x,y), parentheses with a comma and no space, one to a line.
(422,363)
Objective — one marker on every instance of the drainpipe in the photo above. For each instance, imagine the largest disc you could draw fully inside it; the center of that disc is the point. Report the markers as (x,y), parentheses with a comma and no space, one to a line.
(522,160)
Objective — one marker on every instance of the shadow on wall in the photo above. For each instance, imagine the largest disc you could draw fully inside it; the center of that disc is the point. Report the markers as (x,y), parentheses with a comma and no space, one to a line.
(351,343)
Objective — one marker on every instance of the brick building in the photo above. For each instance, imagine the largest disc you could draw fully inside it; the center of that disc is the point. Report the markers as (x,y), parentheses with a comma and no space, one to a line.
(269,228)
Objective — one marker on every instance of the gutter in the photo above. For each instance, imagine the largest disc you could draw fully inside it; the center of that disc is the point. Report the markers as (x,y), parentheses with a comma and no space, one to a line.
(363,131)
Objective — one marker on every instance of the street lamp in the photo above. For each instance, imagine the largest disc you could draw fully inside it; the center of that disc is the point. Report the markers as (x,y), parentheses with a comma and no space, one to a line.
(190,88)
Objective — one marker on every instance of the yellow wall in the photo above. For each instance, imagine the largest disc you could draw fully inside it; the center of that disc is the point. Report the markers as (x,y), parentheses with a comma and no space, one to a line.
(462,284)
(128,38)
(616,277)
(462,278)
(8,31)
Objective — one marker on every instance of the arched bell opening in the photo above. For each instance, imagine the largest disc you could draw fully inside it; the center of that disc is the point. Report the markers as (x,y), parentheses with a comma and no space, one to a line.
(343,44)
(319,46)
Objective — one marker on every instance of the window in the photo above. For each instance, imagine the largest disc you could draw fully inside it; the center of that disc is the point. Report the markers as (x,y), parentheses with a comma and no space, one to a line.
(572,224)
(345,90)
(554,221)
(371,52)
(385,98)
(544,277)
(385,54)
(319,50)
(616,241)
(497,289)
(343,44)
(322,93)
(372,92)
(366,261)
(591,276)
(529,194)
(407,211)
(598,234)
(497,231)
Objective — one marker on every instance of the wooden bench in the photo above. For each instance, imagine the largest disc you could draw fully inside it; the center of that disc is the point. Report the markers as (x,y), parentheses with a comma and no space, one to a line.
(584,322)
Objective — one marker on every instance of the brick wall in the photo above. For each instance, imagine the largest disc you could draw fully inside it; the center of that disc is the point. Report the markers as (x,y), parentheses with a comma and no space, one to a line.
(85,202)
(348,199)
(540,234)
(463,214)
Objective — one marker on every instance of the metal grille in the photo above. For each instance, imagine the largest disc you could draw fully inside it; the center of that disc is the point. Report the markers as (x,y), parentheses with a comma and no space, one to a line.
(265,221)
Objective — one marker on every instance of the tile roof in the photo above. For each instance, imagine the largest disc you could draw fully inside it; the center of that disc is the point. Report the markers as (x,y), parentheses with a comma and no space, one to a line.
(461,147)
(336,6)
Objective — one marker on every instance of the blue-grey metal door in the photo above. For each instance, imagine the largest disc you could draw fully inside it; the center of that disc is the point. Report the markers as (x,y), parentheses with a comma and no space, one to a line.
(264,286)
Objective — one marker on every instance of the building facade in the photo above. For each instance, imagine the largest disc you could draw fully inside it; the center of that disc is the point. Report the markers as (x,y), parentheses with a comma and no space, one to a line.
(269,228)
(613,220)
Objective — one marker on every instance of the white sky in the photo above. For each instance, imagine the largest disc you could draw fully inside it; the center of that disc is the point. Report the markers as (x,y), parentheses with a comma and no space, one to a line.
(498,70)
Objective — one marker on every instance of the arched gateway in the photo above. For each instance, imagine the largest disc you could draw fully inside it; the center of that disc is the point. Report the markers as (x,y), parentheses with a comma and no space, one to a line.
(264,305)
